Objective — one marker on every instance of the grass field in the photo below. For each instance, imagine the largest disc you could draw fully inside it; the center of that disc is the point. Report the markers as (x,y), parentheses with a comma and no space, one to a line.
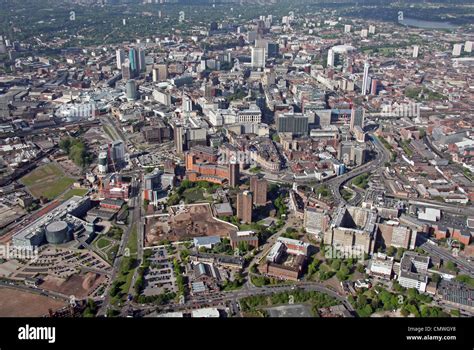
(74,192)
(102,243)
(106,247)
(192,195)
(129,263)
(48,181)
(133,241)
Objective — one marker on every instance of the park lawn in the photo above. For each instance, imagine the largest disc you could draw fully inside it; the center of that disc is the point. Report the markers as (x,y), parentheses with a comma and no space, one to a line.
(47,181)
(133,241)
(103,243)
(128,265)
(132,245)
(125,276)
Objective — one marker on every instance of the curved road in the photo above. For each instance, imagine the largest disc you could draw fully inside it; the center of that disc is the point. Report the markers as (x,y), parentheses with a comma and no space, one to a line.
(336,183)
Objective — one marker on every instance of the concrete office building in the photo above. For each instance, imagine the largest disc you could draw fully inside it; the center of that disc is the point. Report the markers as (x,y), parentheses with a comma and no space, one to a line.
(178,138)
(141,60)
(365,79)
(357,118)
(381,266)
(126,71)
(258,57)
(120,56)
(131,90)
(330,60)
(413,271)
(294,123)
(160,72)
(352,230)
(316,221)
(416,50)
(468,46)
(457,49)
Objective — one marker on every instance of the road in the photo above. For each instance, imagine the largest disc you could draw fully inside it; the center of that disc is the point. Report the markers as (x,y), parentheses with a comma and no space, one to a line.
(233,296)
(448,208)
(134,216)
(335,184)
(265,248)
(464,266)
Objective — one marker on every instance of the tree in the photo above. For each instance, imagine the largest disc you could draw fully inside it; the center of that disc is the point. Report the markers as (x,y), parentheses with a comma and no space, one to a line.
(435,278)
(465,279)
(361,301)
(65,144)
(400,252)
(456,313)
(76,150)
(397,287)
(451,266)
(336,264)
(391,251)
(412,293)
(366,311)
(422,132)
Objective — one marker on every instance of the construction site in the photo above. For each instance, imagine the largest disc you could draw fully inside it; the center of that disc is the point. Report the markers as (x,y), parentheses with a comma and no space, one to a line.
(184,222)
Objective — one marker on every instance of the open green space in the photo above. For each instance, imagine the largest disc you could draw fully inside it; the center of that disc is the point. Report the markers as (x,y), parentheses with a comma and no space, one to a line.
(406,148)
(346,194)
(192,195)
(191,192)
(74,192)
(361,181)
(47,181)
(103,243)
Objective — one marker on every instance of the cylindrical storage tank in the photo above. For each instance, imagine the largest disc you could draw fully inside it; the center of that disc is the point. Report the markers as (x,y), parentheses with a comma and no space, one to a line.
(57,232)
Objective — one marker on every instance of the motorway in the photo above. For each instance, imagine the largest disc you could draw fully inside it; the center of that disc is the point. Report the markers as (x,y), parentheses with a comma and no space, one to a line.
(336,183)
(464,266)
(448,208)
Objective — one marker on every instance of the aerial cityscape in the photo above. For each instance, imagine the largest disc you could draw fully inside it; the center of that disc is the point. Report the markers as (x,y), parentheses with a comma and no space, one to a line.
(236,158)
